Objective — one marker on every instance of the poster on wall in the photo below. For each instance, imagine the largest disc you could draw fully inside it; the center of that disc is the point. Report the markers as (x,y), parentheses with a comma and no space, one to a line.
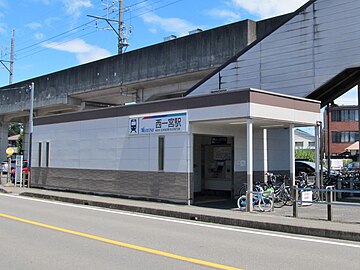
(163,123)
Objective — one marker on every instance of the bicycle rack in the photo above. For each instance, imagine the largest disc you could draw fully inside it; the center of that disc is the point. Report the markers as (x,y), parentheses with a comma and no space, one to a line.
(330,199)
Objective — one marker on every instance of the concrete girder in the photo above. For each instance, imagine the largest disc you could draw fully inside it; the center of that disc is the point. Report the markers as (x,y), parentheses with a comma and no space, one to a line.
(145,74)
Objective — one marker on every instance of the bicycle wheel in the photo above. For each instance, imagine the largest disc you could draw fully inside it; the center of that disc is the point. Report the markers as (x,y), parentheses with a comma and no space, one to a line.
(265,204)
(242,190)
(287,193)
(280,198)
(279,202)
(241,203)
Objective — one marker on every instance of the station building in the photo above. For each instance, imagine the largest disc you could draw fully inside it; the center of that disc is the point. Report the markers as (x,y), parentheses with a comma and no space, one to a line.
(171,150)
(229,128)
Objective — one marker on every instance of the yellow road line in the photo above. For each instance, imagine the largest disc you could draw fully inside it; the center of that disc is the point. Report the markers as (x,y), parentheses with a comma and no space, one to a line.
(122,244)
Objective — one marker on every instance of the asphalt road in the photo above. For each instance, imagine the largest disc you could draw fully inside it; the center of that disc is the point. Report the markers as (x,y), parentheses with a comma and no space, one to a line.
(37,234)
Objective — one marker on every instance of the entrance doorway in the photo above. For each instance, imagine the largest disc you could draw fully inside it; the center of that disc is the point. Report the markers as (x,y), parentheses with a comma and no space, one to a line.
(213,167)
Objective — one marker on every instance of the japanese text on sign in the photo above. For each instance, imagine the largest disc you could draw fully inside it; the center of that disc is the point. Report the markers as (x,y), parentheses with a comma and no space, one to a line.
(158,124)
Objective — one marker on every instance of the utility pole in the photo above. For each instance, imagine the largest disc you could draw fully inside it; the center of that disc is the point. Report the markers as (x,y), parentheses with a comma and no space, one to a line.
(120,29)
(122,32)
(11,62)
(31,129)
(12,57)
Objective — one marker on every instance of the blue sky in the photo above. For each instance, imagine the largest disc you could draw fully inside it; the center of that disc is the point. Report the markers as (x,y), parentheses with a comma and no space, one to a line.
(52,35)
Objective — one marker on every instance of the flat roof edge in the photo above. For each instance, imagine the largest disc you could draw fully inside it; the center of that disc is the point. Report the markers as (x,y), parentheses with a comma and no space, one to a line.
(240,96)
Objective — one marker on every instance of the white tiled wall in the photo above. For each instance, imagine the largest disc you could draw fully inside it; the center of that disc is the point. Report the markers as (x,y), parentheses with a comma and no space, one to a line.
(105,144)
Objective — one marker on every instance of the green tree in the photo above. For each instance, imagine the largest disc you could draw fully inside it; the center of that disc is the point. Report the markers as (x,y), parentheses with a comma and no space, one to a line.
(19,143)
(15,129)
(308,154)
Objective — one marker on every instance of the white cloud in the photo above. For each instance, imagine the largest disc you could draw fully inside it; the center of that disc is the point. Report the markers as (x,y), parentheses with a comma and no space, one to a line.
(175,26)
(33,25)
(229,15)
(46,2)
(349,98)
(153,30)
(51,20)
(346,101)
(39,36)
(73,7)
(84,52)
(3,4)
(3,28)
(268,8)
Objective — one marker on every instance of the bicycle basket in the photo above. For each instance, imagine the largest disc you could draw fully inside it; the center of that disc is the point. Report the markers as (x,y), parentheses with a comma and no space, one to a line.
(268,191)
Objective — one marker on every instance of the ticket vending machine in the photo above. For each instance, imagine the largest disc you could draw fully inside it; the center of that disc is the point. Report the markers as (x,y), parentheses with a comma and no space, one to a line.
(218,167)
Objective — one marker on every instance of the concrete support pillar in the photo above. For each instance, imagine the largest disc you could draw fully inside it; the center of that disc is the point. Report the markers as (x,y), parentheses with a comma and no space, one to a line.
(292,154)
(4,129)
(265,147)
(249,164)
(328,137)
(26,139)
(317,154)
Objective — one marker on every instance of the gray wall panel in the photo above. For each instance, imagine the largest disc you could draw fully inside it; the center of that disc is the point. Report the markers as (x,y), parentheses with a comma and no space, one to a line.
(302,54)
(150,185)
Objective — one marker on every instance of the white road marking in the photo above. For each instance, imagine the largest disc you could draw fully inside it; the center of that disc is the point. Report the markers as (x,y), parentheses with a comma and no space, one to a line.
(218,227)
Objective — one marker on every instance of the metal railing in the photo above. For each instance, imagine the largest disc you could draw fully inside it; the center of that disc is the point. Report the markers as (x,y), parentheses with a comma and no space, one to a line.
(328,196)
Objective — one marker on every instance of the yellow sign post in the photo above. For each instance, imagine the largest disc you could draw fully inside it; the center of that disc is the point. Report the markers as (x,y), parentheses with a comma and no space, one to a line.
(10,151)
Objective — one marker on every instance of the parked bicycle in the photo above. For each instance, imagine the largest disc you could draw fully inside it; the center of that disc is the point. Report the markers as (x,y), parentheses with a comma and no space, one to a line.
(282,193)
(304,185)
(261,199)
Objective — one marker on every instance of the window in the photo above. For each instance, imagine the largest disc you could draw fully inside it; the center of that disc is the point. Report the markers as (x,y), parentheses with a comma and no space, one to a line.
(47,153)
(345,136)
(299,144)
(311,144)
(346,115)
(39,154)
(161,152)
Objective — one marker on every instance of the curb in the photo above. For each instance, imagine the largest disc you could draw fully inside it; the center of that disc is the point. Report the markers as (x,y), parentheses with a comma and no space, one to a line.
(4,191)
(284,228)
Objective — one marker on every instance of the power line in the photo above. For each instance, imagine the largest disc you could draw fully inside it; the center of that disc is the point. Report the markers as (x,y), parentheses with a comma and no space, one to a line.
(41,15)
(52,47)
(72,29)
(152,10)
(33,48)
(75,29)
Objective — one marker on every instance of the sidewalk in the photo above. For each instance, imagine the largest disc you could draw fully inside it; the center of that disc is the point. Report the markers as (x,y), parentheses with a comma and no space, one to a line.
(273,221)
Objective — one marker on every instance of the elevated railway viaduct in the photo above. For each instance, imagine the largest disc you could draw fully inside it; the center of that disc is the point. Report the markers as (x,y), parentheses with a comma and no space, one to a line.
(156,72)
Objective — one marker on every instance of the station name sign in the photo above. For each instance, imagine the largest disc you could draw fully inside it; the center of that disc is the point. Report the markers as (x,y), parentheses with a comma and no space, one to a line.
(164,123)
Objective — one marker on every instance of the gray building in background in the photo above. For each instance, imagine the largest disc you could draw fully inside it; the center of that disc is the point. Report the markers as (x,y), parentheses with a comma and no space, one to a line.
(304,140)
